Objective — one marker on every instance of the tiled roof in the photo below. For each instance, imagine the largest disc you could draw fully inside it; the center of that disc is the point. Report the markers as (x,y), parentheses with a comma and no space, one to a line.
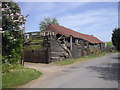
(67,32)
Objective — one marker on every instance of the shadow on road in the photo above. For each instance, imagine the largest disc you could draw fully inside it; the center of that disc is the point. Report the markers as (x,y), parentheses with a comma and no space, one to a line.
(109,71)
(118,58)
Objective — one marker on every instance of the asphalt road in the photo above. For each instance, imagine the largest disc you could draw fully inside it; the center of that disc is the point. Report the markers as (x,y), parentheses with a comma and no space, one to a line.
(101,72)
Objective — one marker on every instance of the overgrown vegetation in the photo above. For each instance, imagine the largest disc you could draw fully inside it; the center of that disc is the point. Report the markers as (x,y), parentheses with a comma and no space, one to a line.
(116,38)
(12,35)
(109,43)
(71,61)
(34,47)
(13,74)
(37,41)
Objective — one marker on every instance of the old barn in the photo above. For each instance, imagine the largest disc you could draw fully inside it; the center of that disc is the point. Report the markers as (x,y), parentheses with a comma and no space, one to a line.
(58,43)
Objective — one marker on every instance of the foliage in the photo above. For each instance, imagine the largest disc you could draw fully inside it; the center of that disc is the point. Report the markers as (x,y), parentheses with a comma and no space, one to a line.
(18,75)
(47,21)
(109,43)
(34,47)
(116,38)
(36,40)
(12,35)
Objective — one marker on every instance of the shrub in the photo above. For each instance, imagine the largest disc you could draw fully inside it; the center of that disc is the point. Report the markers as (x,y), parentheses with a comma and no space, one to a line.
(12,35)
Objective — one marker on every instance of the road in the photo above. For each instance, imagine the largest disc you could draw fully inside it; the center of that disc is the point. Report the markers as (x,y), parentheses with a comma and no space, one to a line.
(101,72)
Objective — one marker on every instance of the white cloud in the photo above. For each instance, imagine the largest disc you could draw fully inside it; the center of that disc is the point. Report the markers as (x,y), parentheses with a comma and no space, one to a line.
(94,22)
(90,21)
(42,9)
(88,17)
(50,7)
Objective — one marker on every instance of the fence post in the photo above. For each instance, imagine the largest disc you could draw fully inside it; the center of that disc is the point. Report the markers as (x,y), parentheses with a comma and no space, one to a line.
(22,59)
(71,43)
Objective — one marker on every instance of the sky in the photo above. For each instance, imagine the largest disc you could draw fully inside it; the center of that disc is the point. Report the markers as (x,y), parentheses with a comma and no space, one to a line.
(93,18)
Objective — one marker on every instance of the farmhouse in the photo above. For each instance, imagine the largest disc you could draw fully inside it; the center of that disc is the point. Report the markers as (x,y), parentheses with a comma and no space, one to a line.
(58,43)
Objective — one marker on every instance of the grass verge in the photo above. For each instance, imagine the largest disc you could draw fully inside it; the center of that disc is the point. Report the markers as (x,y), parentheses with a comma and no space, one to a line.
(109,43)
(71,61)
(18,76)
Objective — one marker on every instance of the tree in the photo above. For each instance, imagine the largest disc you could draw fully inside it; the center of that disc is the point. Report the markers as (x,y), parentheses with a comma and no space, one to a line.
(12,34)
(116,38)
(47,21)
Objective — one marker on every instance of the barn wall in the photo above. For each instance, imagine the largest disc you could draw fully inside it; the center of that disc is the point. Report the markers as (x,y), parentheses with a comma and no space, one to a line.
(35,56)
(75,51)
(36,49)
(55,50)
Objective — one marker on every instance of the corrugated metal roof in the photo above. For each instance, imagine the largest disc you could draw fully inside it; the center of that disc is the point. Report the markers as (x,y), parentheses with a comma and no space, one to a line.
(67,32)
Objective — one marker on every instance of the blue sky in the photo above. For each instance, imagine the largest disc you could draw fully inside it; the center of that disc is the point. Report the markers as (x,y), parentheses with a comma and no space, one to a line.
(93,18)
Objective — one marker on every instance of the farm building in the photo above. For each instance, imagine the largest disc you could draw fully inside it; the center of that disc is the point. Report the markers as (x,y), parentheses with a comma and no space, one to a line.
(58,43)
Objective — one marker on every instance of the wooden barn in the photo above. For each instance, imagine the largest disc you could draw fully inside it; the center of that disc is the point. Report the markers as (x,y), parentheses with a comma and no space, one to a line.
(58,43)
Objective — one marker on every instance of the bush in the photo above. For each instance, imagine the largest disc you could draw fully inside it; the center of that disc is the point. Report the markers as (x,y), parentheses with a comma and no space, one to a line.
(12,34)
(116,38)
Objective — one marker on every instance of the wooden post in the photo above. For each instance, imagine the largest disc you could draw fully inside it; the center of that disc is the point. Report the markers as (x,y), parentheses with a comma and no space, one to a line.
(71,43)
(30,36)
(47,52)
(77,41)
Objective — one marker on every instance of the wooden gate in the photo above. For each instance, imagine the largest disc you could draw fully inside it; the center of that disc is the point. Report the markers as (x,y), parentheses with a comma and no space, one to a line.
(36,47)
(37,56)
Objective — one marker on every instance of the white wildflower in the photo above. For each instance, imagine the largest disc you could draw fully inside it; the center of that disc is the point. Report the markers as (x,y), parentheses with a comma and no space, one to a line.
(16,21)
(9,55)
(14,39)
(18,14)
(20,28)
(11,38)
(3,9)
(0,4)
(1,29)
(12,16)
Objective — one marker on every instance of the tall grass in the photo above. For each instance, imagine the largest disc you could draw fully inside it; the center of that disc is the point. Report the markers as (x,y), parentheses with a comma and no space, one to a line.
(71,61)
